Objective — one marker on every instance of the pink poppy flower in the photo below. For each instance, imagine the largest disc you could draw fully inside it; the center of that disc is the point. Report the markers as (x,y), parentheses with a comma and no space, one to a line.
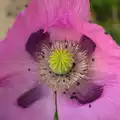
(53,58)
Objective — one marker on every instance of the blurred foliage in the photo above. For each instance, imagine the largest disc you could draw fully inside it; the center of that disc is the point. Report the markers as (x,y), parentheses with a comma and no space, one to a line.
(56,115)
(107,14)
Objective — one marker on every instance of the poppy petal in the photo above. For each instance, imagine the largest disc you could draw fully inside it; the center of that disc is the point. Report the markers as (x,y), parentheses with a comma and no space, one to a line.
(44,13)
(104,71)
(21,97)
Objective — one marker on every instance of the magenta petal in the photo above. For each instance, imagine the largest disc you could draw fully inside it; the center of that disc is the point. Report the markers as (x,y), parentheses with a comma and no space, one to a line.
(17,79)
(104,71)
(103,42)
(18,75)
(87,45)
(44,13)
(81,8)
(84,93)
(105,108)
(41,14)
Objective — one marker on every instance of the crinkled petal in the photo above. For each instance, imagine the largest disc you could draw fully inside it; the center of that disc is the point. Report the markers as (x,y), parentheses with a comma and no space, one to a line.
(80,8)
(16,80)
(44,13)
(104,71)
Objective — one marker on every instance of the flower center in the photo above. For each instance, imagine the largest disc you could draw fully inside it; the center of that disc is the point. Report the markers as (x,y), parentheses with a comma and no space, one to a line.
(61,61)
(62,64)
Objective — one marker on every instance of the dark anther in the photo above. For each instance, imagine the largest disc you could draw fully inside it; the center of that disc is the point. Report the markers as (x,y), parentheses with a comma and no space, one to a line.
(45,68)
(106,33)
(67,75)
(74,65)
(66,46)
(64,92)
(42,74)
(78,83)
(29,97)
(89,105)
(70,70)
(28,69)
(74,71)
(42,52)
(66,89)
(63,80)
(42,56)
(72,97)
(93,59)
(61,75)
(69,79)
(50,72)
(56,74)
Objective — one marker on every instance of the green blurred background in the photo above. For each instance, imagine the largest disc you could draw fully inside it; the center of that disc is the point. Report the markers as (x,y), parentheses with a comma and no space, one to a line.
(107,14)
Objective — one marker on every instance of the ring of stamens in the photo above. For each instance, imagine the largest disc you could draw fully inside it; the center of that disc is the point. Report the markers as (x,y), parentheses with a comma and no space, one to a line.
(62,65)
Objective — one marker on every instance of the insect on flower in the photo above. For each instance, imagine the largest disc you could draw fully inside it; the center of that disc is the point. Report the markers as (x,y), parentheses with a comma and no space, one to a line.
(54,58)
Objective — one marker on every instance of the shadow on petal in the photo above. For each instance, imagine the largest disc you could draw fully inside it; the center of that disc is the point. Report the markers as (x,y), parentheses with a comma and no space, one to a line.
(87,45)
(86,93)
(30,97)
(36,40)
(93,93)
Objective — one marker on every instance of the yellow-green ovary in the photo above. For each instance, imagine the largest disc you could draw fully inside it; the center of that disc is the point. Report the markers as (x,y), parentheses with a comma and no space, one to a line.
(61,61)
